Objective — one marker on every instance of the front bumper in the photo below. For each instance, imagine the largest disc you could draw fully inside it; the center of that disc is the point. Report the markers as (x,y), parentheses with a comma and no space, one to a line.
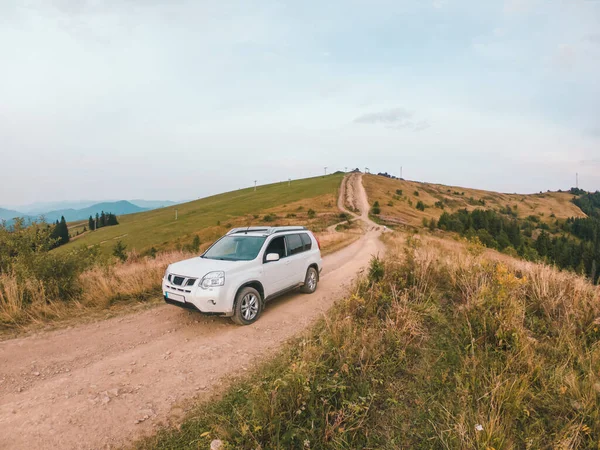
(191,306)
(213,301)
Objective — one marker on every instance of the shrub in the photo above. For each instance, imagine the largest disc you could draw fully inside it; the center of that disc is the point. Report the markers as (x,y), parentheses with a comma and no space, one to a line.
(376,270)
(152,252)
(269,217)
(399,192)
(420,206)
(416,193)
(194,247)
(311,213)
(119,250)
(375,209)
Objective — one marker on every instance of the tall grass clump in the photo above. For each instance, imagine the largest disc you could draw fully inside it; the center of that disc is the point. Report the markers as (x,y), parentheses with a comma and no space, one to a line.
(433,349)
(38,285)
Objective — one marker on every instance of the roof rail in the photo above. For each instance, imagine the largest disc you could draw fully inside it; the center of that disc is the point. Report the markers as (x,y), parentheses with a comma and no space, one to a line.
(265,230)
(248,230)
(274,230)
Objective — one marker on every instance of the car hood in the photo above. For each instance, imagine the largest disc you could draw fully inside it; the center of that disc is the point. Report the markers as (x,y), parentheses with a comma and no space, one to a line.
(198,267)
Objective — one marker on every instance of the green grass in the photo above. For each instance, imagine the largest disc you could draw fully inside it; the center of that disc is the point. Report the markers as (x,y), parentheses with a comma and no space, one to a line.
(159,229)
(434,349)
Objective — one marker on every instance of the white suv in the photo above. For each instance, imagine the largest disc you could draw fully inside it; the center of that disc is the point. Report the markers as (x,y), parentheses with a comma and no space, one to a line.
(244,269)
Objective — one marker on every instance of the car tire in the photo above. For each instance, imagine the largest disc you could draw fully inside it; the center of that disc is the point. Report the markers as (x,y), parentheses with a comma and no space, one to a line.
(248,306)
(310,281)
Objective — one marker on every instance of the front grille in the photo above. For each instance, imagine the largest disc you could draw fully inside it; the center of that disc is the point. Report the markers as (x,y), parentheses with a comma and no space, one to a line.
(177,280)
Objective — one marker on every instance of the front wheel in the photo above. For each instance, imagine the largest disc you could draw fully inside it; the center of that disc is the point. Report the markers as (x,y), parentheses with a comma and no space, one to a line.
(248,306)
(310,281)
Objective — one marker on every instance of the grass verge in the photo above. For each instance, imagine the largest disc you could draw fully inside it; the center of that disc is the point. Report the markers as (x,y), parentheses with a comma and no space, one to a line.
(434,349)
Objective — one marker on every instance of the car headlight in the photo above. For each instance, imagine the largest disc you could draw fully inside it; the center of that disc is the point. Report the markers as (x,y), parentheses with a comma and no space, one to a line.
(213,279)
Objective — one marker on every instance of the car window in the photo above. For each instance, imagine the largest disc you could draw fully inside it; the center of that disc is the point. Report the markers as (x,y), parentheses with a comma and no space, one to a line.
(295,244)
(277,245)
(306,241)
(235,248)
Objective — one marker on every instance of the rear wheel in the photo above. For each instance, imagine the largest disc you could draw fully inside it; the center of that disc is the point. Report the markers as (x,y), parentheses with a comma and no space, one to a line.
(310,281)
(248,306)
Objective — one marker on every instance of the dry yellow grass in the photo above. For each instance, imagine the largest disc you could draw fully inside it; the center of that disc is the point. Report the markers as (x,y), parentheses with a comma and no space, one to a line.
(442,345)
(25,306)
(383,189)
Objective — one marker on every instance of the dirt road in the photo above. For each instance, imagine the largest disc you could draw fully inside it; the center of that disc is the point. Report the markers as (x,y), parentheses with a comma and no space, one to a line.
(101,385)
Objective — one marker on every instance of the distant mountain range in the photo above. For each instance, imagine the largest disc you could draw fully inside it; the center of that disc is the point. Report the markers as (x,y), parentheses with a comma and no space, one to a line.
(7,214)
(71,214)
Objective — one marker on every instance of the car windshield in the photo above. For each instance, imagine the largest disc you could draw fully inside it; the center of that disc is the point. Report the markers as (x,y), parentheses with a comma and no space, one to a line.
(235,248)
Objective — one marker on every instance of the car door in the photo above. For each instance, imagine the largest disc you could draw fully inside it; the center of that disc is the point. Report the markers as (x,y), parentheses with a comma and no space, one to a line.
(276,273)
(297,257)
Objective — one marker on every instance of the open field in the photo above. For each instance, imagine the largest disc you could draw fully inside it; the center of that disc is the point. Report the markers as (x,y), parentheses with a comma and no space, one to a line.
(211,217)
(442,345)
(402,209)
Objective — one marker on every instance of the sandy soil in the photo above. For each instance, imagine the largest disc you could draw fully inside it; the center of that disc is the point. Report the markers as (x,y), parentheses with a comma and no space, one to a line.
(104,384)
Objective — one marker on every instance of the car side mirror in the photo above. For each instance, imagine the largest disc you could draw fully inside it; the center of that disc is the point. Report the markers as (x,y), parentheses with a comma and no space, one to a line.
(272,257)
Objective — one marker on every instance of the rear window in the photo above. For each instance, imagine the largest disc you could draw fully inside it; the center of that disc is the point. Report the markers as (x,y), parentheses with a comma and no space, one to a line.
(295,244)
(306,241)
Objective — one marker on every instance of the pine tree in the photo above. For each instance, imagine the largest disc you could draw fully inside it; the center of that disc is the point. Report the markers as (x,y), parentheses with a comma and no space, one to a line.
(63,231)
(111,219)
(91,224)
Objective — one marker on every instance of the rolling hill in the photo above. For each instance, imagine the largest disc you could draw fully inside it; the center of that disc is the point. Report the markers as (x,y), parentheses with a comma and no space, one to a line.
(152,204)
(210,217)
(401,207)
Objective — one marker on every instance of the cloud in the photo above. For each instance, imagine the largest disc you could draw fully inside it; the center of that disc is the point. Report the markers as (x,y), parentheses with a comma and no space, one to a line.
(389,117)
(594,38)
(395,118)
(590,162)
(593,131)
(439,4)
(565,56)
(519,6)
(422,125)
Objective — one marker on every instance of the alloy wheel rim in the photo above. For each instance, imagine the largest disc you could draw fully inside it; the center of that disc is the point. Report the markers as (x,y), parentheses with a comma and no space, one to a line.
(312,280)
(249,306)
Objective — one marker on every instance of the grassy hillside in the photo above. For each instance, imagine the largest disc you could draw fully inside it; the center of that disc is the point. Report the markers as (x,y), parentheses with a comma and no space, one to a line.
(210,217)
(442,346)
(403,208)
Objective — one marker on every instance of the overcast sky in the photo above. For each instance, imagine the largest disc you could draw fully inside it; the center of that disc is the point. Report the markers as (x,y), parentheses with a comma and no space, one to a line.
(173,99)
